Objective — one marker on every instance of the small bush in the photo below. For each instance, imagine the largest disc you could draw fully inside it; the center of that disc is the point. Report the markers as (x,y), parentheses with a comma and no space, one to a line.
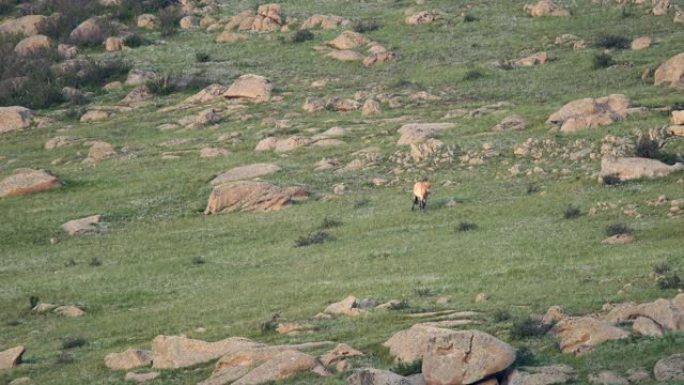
(271,325)
(33,301)
(95,261)
(361,203)
(134,40)
(65,358)
(473,75)
(602,60)
(198,260)
(611,180)
(313,239)
(302,35)
(160,85)
(617,229)
(669,281)
(329,222)
(423,291)
(364,26)
(73,342)
(572,212)
(168,21)
(501,315)
(532,189)
(7,6)
(202,57)
(407,369)
(466,226)
(647,148)
(527,327)
(613,41)
(468,18)
(661,268)
(524,357)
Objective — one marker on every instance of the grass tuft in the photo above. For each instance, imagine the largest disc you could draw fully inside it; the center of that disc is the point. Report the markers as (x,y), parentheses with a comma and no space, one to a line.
(313,239)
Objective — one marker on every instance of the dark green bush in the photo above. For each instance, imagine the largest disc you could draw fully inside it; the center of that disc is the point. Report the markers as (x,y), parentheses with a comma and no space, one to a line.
(363,26)
(572,212)
(602,60)
(617,229)
(407,369)
(202,57)
(302,35)
(168,21)
(313,239)
(527,327)
(613,41)
(466,226)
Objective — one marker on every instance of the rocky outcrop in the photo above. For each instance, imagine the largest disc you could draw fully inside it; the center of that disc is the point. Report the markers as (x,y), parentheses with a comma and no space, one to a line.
(591,113)
(26,181)
(410,345)
(251,196)
(11,357)
(33,44)
(545,8)
(626,169)
(581,335)
(179,352)
(254,87)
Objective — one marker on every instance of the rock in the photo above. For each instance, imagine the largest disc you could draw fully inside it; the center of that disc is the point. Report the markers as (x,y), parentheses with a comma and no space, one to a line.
(660,7)
(546,8)
(345,105)
(251,196)
(544,375)
(284,365)
(618,239)
(189,22)
(179,351)
(672,72)
(21,381)
(42,308)
(481,297)
(254,87)
(141,377)
(678,117)
(138,77)
(324,21)
(533,60)
(82,226)
(130,359)
(291,143)
(635,168)
(138,94)
(245,172)
(113,44)
(669,315)
(420,132)
(231,37)
(371,107)
(113,86)
(376,377)
(26,25)
(28,181)
(379,58)
(94,116)
(347,306)
(14,118)
(646,327)
(88,32)
(213,152)
(11,357)
(345,55)
(33,44)
(676,130)
(69,311)
(99,151)
(591,113)
(511,123)
(424,17)
(148,21)
(348,40)
(67,51)
(208,94)
(670,368)
(465,357)
(340,353)
(678,17)
(580,335)
(313,104)
(409,346)
(641,43)
(607,377)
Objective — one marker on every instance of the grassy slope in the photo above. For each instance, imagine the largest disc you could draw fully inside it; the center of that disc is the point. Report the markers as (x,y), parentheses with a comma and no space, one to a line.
(523,254)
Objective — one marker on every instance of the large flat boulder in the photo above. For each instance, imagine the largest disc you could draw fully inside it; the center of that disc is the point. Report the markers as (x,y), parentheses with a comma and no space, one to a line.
(543,375)
(179,351)
(671,72)
(370,376)
(83,225)
(251,196)
(670,369)
(26,181)
(635,168)
(253,87)
(581,335)
(410,345)
(587,113)
(419,132)
(14,118)
(11,357)
(130,359)
(465,357)
(245,172)
(282,366)
(26,25)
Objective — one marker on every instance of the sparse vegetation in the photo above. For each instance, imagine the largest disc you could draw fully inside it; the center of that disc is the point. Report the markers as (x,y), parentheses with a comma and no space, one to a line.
(364,26)
(572,212)
(202,57)
(160,85)
(466,226)
(302,35)
(602,60)
(501,315)
(73,342)
(613,42)
(423,292)
(407,369)
(313,239)
(198,260)
(330,222)
(527,328)
(617,229)
(473,75)
(95,261)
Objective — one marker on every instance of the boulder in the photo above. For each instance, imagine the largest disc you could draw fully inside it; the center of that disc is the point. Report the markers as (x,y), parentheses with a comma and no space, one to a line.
(267,144)
(678,117)
(254,87)
(130,359)
(94,116)
(138,94)
(189,22)
(313,104)
(61,141)
(424,17)
(82,226)
(251,196)
(607,377)
(26,25)
(99,151)
(379,58)
(340,353)
(179,351)
(420,132)
(281,367)
(14,118)
(511,123)
(21,381)
(532,60)
(231,37)
(635,168)
(213,152)
(33,44)
(208,94)
(465,357)
(545,8)
(544,375)
(26,181)
(138,77)
(646,327)
(410,345)
(591,113)
(88,32)
(245,172)
(371,107)
(671,72)
(113,44)
(69,311)
(348,40)
(347,306)
(11,357)
(376,377)
(141,377)
(67,51)
(670,369)
(148,21)
(324,21)
(581,335)
(641,43)
(345,55)
(291,143)
(669,315)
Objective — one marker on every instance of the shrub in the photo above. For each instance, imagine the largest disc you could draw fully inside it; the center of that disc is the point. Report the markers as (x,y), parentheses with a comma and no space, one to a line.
(7,6)
(617,229)
(33,301)
(198,260)
(468,18)
(168,21)
(602,60)
(613,41)
(302,35)
(73,342)
(361,203)
(160,85)
(202,57)
(95,261)
(524,357)
(532,189)
(473,75)
(661,268)
(363,26)
(647,148)
(572,212)
(93,74)
(501,315)
(271,325)
(65,358)
(466,226)
(423,291)
(407,369)
(329,222)
(71,14)
(134,40)
(611,180)
(313,239)
(669,281)
(527,327)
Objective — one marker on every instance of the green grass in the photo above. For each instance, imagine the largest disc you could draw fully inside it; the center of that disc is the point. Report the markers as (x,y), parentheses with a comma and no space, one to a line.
(524,254)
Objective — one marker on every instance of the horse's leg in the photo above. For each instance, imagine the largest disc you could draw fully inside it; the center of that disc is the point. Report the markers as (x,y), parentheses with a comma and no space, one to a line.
(415,202)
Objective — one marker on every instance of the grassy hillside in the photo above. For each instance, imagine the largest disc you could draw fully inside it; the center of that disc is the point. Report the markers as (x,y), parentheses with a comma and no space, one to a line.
(140,277)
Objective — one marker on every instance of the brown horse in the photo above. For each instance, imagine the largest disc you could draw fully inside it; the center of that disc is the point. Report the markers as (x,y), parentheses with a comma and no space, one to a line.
(421,190)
